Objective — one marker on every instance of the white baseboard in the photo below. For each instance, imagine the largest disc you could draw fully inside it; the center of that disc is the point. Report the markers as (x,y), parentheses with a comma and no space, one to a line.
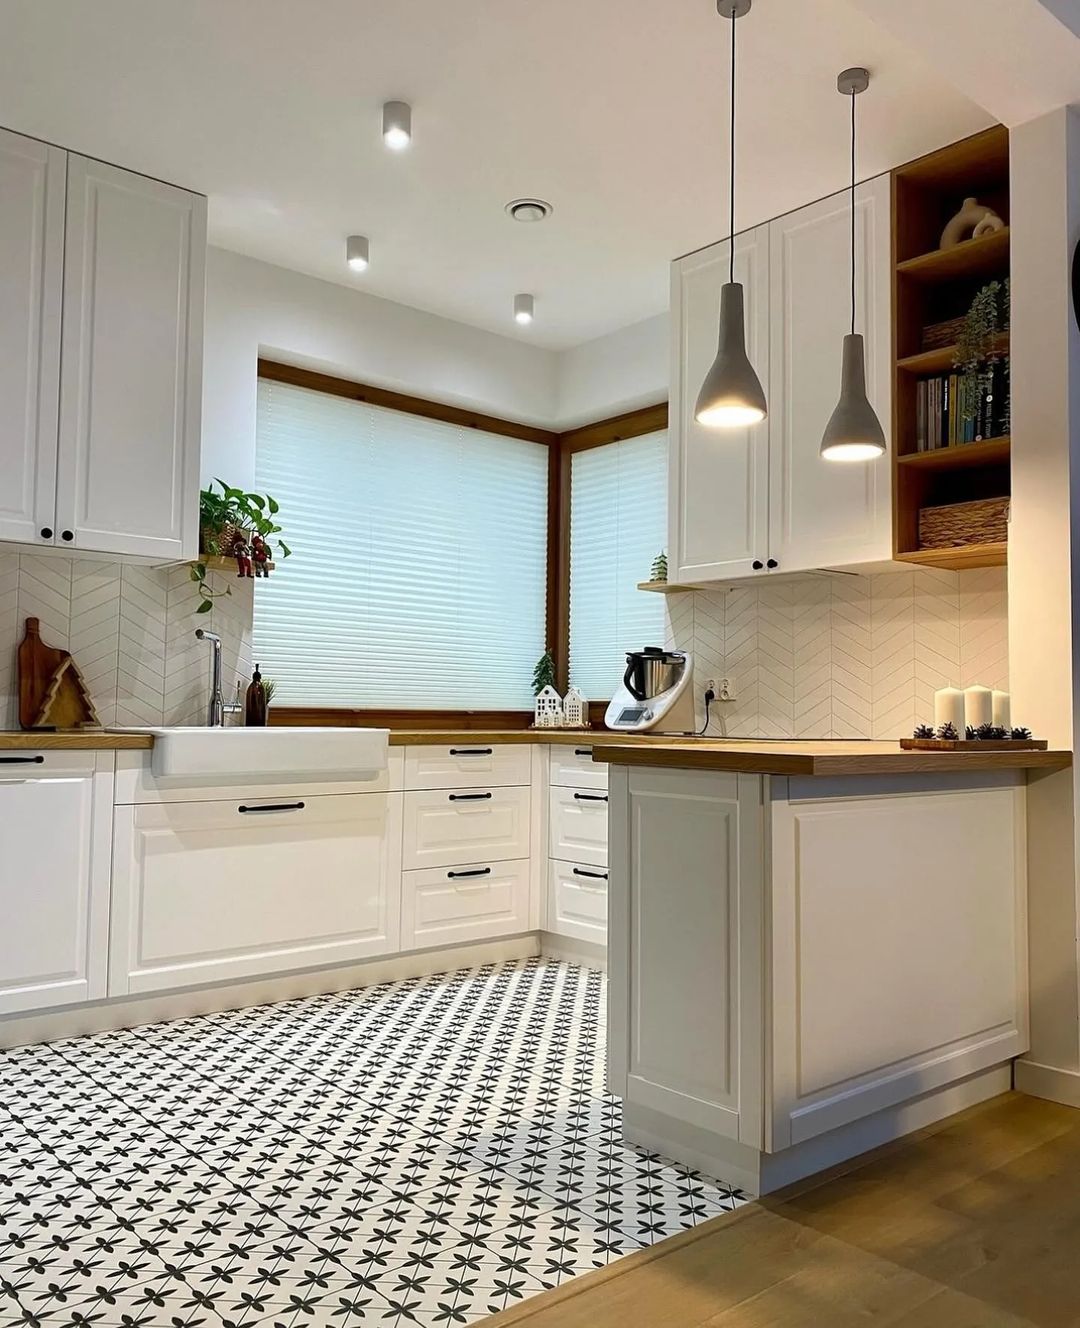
(572,951)
(130,1011)
(1049,1081)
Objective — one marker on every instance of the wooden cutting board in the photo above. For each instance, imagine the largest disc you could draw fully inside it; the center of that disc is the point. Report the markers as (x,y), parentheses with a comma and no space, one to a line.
(52,693)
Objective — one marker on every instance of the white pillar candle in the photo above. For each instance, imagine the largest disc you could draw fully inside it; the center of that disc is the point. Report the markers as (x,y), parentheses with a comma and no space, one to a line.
(949,709)
(1002,710)
(978,706)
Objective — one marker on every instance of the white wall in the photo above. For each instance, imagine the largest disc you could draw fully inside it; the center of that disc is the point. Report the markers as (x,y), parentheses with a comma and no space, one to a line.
(254,308)
(620,372)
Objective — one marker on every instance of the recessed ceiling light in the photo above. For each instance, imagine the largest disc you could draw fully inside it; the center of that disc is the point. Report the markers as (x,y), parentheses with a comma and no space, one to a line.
(356,252)
(397,125)
(524,307)
(528,209)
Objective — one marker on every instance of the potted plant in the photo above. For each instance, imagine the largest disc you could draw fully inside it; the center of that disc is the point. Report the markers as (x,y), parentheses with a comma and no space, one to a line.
(223,515)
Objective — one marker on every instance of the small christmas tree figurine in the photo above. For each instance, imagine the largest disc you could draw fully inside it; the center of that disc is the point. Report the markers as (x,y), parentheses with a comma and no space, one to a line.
(659,568)
(544,673)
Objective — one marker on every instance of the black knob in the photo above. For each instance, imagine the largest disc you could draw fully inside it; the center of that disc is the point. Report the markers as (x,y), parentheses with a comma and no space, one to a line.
(757,564)
(772,563)
(67,535)
(46,532)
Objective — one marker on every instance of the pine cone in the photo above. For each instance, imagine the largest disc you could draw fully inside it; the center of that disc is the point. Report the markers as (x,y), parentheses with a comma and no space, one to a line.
(1021,735)
(948,733)
(923,731)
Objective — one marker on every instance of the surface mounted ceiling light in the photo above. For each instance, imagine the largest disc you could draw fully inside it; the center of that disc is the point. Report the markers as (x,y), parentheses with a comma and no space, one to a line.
(524,307)
(731,395)
(528,209)
(356,252)
(854,432)
(397,125)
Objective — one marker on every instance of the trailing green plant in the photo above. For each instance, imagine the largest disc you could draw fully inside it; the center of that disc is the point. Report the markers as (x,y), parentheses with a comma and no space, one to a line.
(976,347)
(232,509)
(208,594)
(544,673)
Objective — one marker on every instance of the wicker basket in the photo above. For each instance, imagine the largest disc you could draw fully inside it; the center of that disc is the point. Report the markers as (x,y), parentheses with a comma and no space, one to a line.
(223,538)
(938,335)
(985,521)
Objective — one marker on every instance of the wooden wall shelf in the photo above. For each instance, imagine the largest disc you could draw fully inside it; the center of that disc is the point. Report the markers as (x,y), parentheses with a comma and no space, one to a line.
(666,587)
(213,563)
(932,286)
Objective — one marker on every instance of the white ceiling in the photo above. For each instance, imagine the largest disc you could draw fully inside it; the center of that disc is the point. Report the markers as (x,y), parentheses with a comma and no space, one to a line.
(614,110)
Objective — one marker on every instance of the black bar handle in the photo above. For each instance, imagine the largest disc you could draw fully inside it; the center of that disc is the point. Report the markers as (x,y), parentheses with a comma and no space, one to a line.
(274,807)
(471,751)
(473,871)
(591,797)
(469,797)
(22,760)
(583,751)
(594,876)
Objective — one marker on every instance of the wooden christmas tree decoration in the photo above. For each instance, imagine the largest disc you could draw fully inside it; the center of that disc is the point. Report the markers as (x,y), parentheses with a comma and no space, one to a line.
(52,692)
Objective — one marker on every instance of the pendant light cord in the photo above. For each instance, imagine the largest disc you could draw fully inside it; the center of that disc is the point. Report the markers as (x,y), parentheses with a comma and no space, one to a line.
(731,255)
(853,214)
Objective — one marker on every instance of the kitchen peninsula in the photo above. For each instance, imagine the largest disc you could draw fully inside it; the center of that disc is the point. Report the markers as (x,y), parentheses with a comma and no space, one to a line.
(814,947)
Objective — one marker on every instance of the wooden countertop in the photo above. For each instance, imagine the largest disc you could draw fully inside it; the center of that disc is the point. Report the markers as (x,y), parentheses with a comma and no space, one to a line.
(816,758)
(480,737)
(74,740)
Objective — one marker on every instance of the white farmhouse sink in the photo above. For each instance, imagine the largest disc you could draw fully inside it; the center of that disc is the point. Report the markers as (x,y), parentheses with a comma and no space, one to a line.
(259,753)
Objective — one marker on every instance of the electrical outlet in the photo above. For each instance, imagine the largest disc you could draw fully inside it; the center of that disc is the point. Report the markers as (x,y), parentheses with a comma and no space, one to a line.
(710,686)
(726,690)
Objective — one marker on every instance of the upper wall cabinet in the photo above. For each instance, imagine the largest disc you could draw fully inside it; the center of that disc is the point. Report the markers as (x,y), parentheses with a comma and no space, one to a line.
(102,382)
(790,511)
(718,483)
(31,277)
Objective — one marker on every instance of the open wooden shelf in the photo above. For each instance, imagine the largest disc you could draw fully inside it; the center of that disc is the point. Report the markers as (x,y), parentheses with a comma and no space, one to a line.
(665,587)
(990,452)
(960,559)
(214,563)
(983,257)
(941,360)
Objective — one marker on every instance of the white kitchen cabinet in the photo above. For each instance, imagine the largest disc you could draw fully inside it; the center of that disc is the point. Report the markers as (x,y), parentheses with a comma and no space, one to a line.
(578,822)
(573,767)
(211,891)
(55,815)
(827,513)
(456,827)
(131,384)
(753,502)
(477,902)
(31,276)
(577,901)
(467,765)
(718,479)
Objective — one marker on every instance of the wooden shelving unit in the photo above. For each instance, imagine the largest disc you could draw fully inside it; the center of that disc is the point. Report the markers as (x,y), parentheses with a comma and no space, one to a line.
(932,285)
(212,563)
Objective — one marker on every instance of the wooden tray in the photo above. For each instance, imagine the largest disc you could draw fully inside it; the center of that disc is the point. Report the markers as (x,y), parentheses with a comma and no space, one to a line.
(974,744)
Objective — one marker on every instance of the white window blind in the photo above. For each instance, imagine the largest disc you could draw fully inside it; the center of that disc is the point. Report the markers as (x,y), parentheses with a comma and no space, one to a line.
(618,524)
(418,577)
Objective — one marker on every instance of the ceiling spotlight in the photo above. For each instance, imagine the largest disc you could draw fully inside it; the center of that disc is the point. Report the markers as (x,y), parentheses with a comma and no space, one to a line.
(528,209)
(524,306)
(356,252)
(397,125)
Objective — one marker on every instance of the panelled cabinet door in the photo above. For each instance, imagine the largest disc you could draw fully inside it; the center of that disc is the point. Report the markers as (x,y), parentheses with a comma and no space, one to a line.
(54,885)
(31,277)
(718,478)
(827,513)
(134,284)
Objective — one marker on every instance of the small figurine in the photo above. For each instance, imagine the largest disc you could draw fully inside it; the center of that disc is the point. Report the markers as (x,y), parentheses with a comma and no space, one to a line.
(241,551)
(260,556)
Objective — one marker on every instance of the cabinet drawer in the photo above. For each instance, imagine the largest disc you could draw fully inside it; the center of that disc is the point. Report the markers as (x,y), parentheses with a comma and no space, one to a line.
(447,905)
(467,765)
(579,826)
(573,767)
(206,891)
(577,901)
(454,828)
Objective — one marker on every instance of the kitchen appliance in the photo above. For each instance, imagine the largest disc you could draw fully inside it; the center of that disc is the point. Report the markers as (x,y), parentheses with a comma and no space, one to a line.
(656,695)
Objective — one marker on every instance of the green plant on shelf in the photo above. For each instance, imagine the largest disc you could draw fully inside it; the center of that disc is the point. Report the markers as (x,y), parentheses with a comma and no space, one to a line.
(221,516)
(659,568)
(977,352)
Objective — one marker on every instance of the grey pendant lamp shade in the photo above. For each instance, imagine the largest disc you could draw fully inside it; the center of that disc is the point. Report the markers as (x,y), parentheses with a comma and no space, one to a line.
(731,395)
(854,432)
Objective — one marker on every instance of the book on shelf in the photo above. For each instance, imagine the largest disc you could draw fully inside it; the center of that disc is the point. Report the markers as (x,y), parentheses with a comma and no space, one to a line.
(953,409)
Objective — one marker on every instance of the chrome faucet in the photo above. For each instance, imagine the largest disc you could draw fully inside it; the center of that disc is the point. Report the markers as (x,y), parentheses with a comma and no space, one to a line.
(215,716)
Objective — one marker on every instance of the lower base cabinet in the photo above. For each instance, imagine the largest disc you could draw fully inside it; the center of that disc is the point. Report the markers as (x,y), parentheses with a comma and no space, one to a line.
(448,905)
(577,901)
(212,891)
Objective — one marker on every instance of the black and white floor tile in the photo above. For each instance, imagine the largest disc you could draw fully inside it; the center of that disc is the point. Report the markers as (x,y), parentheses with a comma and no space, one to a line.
(423,1152)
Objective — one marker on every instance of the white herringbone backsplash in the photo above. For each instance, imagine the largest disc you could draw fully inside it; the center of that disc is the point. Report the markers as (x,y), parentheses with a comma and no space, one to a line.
(131,630)
(844,656)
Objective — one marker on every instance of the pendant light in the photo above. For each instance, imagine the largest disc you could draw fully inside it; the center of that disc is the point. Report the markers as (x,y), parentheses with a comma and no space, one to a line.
(854,432)
(731,396)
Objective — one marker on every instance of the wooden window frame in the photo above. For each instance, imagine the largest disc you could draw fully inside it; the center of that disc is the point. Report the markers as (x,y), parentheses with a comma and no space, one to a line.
(561,448)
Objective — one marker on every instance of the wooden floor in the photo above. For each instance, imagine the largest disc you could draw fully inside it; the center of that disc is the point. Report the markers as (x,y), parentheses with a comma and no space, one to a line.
(973,1223)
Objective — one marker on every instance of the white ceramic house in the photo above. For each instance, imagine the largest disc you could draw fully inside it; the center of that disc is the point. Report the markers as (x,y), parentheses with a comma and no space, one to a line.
(549,709)
(574,709)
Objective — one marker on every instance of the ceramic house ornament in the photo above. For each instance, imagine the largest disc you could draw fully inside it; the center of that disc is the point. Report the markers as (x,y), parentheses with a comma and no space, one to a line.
(549,709)
(574,709)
